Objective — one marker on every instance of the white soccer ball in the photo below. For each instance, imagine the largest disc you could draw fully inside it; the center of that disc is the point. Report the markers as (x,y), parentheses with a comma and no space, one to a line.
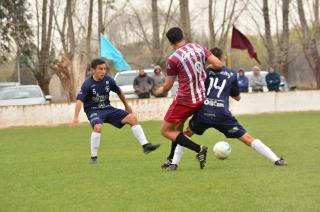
(222,150)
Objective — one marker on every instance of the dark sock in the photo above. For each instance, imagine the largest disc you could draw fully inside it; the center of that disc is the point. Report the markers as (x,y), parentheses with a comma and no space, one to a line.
(173,148)
(186,142)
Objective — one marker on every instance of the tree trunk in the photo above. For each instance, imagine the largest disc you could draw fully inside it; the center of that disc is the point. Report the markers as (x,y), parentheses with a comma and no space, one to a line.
(185,19)
(284,45)
(43,77)
(211,26)
(156,32)
(309,45)
(269,42)
(100,19)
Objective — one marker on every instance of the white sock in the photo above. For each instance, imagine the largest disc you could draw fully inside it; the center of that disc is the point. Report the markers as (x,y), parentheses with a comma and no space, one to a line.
(178,154)
(95,143)
(139,134)
(264,150)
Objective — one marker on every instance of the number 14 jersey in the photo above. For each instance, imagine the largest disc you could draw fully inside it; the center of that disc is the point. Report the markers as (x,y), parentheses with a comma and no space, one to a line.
(220,85)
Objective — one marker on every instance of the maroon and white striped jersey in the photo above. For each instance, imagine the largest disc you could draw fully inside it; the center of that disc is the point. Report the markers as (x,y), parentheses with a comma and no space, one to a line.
(189,64)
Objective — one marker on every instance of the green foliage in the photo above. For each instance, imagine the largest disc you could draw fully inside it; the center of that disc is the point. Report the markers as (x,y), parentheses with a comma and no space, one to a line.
(14,28)
(47,169)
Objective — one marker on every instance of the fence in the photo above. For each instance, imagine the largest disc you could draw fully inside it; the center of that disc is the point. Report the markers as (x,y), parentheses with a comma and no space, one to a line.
(155,108)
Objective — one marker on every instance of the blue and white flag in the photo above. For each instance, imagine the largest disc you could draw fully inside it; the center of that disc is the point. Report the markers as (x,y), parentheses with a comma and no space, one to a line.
(107,50)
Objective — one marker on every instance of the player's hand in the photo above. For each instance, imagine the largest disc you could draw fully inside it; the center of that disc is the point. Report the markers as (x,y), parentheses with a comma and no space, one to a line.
(128,108)
(158,91)
(74,122)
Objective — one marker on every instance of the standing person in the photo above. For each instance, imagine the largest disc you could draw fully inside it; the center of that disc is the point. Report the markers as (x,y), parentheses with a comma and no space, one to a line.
(257,80)
(142,84)
(273,79)
(187,63)
(158,80)
(214,113)
(94,95)
(243,81)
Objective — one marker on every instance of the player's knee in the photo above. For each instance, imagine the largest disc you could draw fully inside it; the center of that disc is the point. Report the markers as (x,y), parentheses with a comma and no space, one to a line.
(97,128)
(132,119)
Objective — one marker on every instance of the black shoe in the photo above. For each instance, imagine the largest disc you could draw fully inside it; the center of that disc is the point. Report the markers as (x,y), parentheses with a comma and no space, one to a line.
(94,160)
(202,156)
(166,163)
(172,167)
(281,162)
(147,148)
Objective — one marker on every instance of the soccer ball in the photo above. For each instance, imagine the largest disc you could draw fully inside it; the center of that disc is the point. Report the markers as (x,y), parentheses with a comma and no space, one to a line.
(222,150)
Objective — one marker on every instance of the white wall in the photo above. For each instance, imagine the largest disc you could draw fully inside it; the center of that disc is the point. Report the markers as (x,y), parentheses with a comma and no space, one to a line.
(154,109)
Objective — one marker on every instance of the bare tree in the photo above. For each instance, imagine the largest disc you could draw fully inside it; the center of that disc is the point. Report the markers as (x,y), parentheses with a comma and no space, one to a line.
(156,31)
(284,42)
(42,71)
(185,19)
(231,12)
(267,29)
(309,44)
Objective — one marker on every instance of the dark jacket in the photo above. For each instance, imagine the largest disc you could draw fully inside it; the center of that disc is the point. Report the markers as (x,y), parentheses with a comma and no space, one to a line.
(243,84)
(142,84)
(273,81)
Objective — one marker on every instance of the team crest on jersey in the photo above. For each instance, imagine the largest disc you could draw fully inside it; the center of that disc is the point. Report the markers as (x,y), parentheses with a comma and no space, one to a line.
(107,88)
(107,82)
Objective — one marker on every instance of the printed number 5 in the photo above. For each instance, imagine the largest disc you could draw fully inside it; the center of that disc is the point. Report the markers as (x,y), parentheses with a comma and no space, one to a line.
(214,83)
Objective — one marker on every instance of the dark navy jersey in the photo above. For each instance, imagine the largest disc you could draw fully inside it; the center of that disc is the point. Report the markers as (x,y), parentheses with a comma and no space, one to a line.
(95,94)
(220,85)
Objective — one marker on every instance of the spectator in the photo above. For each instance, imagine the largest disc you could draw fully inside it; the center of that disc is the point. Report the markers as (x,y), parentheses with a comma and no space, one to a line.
(273,79)
(142,84)
(257,80)
(243,81)
(158,80)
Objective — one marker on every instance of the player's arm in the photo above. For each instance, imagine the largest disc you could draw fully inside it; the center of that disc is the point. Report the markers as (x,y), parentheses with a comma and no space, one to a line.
(214,62)
(168,83)
(236,97)
(78,107)
(124,101)
(235,93)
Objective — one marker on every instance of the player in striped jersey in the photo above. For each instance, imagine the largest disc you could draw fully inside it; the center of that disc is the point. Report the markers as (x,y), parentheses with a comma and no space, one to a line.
(188,63)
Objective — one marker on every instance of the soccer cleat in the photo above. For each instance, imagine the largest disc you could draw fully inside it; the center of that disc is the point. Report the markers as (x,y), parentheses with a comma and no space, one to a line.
(94,160)
(172,167)
(281,162)
(202,156)
(166,163)
(147,148)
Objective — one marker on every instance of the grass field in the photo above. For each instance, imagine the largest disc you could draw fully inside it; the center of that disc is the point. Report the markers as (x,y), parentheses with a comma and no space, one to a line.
(47,169)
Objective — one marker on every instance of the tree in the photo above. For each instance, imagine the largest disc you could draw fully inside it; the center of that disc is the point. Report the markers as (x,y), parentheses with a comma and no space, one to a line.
(15,31)
(231,12)
(185,19)
(155,33)
(284,43)
(309,43)
(267,31)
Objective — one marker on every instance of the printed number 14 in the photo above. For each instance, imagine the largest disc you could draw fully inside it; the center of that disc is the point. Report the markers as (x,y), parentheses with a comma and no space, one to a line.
(214,83)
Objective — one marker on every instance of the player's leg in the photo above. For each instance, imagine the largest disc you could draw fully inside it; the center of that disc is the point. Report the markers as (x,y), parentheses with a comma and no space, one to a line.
(95,142)
(264,150)
(197,127)
(138,133)
(179,127)
(96,121)
(179,151)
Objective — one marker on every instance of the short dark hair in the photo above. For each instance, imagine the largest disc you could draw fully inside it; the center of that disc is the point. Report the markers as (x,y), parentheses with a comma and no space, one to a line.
(96,62)
(217,52)
(174,35)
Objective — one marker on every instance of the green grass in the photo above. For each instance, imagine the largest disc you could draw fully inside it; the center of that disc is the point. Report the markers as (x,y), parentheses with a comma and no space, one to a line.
(47,169)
